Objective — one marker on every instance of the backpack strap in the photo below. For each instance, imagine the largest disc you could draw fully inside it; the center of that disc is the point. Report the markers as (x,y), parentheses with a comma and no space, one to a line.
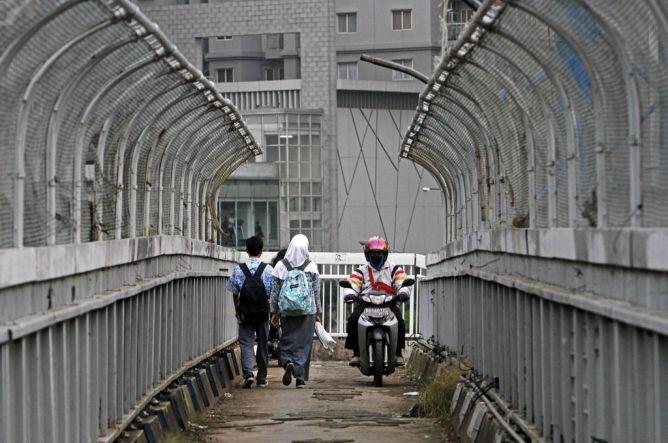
(287,264)
(245,270)
(304,265)
(260,270)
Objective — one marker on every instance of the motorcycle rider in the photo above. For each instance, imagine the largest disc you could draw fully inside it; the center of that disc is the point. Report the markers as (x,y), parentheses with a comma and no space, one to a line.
(378,274)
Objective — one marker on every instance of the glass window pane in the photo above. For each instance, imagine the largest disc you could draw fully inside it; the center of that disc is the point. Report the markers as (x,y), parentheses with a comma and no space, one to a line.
(226,219)
(407,20)
(243,218)
(260,227)
(306,204)
(305,188)
(315,140)
(272,235)
(396,20)
(342,22)
(316,154)
(352,22)
(294,204)
(272,153)
(317,204)
(293,170)
(305,153)
(305,171)
(294,224)
(317,188)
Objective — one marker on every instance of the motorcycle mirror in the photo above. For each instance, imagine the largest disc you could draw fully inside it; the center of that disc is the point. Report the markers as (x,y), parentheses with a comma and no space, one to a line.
(345,284)
(408,282)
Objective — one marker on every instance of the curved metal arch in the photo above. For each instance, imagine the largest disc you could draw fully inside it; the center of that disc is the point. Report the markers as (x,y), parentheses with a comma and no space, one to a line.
(15,46)
(468,189)
(515,133)
(633,113)
(479,147)
(172,190)
(449,196)
(24,107)
(191,168)
(551,123)
(121,151)
(187,203)
(203,211)
(598,101)
(136,150)
(55,122)
(497,180)
(84,125)
(569,121)
(224,172)
(490,146)
(149,171)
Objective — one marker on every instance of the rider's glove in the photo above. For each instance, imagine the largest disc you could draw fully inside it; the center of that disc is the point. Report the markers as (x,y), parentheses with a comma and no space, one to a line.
(402,297)
(349,297)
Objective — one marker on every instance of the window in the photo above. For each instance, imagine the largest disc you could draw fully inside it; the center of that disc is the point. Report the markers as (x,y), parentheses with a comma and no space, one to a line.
(397,75)
(274,41)
(223,37)
(347,22)
(401,19)
(225,75)
(274,74)
(348,71)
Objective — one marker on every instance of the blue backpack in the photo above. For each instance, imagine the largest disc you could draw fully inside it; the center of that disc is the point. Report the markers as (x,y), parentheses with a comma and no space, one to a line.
(295,296)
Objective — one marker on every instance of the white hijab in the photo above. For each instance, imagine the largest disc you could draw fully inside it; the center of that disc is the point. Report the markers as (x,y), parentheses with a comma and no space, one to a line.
(296,254)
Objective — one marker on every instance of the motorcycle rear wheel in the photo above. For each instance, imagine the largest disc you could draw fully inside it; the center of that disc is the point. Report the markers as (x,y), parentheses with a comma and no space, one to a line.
(378,363)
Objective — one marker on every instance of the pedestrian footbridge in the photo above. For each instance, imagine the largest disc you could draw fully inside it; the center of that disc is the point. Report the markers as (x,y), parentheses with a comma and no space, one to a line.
(546,126)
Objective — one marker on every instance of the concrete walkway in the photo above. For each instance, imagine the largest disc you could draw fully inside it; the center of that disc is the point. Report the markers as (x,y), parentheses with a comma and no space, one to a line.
(338,405)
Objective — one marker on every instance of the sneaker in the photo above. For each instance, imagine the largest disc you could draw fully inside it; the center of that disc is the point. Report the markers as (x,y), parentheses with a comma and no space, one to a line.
(300,383)
(399,361)
(248,383)
(261,383)
(355,361)
(287,375)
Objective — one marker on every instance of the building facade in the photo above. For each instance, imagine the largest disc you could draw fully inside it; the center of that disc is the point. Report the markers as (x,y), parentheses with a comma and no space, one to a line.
(330,125)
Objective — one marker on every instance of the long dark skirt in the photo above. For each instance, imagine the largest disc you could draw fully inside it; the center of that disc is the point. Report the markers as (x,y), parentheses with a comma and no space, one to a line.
(296,342)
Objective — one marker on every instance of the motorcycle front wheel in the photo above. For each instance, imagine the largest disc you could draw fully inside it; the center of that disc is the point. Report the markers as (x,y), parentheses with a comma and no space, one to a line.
(378,363)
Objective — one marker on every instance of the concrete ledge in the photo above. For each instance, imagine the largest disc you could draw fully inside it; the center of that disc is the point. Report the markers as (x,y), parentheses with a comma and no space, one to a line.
(29,265)
(637,248)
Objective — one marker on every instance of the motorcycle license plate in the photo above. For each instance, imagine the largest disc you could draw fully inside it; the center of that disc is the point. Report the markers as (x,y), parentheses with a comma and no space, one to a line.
(376,312)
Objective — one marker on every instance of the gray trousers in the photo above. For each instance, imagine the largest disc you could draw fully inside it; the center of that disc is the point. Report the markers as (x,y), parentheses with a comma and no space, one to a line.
(247,334)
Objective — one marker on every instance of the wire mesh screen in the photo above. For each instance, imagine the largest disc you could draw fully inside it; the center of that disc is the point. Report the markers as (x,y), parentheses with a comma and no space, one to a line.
(568,99)
(93,94)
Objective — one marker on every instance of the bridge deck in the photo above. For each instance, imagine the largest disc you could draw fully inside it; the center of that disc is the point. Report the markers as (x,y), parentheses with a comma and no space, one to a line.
(338,405)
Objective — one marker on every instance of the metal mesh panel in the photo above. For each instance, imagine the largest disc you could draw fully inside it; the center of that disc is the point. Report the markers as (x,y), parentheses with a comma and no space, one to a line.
(92,92)
(571,93)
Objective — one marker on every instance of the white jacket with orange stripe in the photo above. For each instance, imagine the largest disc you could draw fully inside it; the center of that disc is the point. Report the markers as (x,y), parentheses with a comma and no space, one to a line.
(389,279)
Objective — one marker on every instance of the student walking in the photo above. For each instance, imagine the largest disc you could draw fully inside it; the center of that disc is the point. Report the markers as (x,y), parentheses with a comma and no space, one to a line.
(295,302)
(250,284)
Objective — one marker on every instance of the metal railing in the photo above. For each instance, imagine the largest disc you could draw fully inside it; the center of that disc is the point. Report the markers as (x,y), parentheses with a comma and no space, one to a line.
(337,266)
(106,131)
(97,341)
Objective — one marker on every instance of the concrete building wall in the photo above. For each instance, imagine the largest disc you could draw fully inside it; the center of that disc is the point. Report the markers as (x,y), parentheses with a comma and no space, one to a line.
(313,19)
(410,219)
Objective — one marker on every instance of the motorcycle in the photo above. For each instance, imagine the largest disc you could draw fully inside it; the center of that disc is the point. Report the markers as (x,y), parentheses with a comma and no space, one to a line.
(377,332)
